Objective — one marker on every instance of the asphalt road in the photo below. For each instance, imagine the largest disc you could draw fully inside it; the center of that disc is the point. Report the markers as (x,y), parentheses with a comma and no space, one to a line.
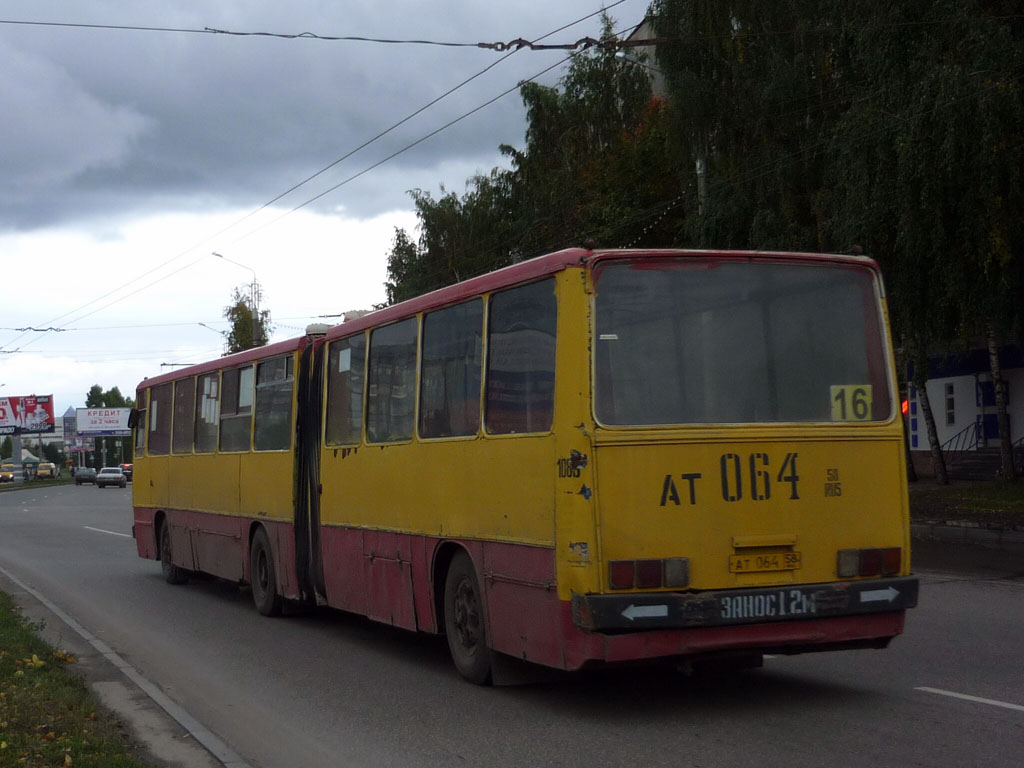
(325,688)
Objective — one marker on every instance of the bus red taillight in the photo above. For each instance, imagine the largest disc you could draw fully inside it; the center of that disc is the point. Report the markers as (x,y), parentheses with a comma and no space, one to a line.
(649,574)
(620,574)
(869,562)
(892,560)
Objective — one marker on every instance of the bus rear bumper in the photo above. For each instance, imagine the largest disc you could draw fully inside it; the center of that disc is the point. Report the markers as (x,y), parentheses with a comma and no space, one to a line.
(632,612)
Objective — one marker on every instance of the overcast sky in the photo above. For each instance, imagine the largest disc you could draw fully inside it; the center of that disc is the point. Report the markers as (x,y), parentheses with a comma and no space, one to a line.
(127,157)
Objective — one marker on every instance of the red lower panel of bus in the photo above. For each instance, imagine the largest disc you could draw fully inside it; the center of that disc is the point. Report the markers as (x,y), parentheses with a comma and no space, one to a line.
(390,578)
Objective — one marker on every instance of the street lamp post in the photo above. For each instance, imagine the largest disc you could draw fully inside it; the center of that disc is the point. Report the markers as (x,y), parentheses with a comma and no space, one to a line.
(254,292)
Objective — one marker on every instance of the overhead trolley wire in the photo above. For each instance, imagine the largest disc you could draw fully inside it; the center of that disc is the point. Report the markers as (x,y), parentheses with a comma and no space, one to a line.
(286,192)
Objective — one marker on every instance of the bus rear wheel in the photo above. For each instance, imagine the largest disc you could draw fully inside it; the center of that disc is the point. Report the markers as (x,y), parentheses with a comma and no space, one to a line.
(173,574)
(464,621)
(263,576)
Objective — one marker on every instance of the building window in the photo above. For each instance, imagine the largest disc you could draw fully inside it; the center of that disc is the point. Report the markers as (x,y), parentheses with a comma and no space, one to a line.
(950,406)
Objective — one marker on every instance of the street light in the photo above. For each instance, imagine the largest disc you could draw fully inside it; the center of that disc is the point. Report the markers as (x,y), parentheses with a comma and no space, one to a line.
(254,292)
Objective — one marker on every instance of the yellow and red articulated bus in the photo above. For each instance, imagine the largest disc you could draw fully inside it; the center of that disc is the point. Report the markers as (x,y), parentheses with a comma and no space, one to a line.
(589,457)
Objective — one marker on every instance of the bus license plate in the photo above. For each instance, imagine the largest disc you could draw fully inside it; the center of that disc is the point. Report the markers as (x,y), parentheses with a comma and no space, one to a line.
(781,561)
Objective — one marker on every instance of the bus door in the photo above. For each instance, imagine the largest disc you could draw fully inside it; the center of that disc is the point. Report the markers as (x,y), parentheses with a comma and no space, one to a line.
(308,553)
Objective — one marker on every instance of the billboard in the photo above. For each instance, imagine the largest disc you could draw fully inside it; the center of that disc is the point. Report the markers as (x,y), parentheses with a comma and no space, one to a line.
(25,415)
(100,422)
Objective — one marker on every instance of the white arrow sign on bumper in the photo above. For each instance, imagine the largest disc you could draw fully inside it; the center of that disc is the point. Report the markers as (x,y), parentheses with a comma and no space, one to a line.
(645,612)
(879,595)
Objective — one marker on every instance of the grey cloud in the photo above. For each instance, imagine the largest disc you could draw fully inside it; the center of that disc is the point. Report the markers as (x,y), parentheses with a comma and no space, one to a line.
(134,122)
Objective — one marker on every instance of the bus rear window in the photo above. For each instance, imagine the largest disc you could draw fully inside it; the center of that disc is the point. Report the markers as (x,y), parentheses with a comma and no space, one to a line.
(724,342)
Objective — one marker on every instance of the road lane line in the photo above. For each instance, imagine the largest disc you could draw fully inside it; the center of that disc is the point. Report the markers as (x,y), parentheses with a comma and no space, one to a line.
(200,733)
(112,533)
(976,699)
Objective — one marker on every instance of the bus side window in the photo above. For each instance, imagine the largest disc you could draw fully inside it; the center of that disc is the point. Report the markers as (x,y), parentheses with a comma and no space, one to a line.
(450,374)
(346,361)
(207,413)
(392,382)
(521,359)
(141,424)
(236,409)
(272,430)
(184,396)
(160,399)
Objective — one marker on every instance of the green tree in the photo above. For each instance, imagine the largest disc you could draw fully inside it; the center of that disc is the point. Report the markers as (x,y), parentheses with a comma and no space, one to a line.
(597,167)
(7,448)
(927,173)
(53,453)
(754,91)
(250,326)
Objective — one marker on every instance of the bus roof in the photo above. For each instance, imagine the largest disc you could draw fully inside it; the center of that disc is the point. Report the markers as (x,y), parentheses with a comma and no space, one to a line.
(532,269)
(549,264)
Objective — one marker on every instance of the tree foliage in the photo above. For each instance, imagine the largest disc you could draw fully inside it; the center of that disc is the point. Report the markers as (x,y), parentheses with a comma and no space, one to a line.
(596,167)
(250,327)
(792,125)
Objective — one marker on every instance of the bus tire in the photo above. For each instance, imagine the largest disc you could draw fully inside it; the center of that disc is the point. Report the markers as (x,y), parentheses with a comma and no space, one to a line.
(173,574)
(464,621)
(262,575)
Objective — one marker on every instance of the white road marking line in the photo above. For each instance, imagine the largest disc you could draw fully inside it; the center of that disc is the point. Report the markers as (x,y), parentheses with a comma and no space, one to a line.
(112,533)
(976,699)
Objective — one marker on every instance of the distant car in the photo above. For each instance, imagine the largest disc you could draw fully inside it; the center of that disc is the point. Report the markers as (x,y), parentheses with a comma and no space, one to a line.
(85,475)
(127,469)
(111,476)
(47,471)
(7,473)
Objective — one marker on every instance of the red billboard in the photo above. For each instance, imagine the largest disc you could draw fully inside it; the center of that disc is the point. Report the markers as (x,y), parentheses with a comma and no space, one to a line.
(25,415)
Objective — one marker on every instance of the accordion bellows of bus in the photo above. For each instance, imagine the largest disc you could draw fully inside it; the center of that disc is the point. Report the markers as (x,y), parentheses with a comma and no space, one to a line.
(588,457)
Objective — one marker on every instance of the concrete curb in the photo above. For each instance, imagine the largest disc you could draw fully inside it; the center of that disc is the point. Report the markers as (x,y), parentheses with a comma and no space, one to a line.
(166,735)
(952,532)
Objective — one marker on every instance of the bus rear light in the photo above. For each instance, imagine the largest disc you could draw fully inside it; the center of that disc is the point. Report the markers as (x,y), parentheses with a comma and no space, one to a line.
(648,574)
(869,562)
(892,559)
(848,563)
(677,572)
(671,572)
(621,574)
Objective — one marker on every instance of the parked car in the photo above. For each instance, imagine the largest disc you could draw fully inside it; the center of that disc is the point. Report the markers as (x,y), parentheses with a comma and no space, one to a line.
(127,469)
(7,473)
(85,475)
(111,476)
(47,471)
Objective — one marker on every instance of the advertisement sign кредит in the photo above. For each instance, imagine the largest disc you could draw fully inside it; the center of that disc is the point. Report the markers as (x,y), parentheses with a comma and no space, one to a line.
(103,422)
(26,415)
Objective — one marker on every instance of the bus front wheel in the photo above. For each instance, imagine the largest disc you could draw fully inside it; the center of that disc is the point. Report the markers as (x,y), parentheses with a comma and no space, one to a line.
(464,621)
(262,575)
(172,573)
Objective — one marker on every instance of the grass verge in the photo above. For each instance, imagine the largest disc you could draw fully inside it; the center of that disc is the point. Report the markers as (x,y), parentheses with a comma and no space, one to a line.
(48,717)
(989,503)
